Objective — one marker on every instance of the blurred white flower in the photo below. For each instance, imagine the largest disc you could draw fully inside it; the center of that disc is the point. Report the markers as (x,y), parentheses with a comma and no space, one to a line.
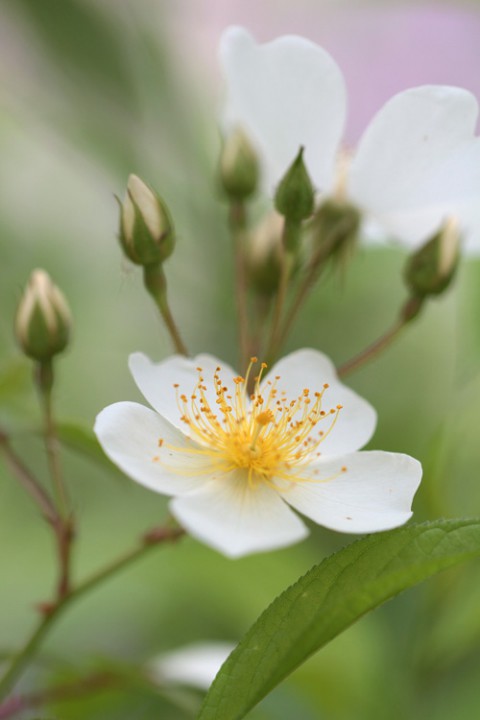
(417,164)
(195,665)
(235,459)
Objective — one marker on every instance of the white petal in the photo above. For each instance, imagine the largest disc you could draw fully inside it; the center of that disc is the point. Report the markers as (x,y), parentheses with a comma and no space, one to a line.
(156,381)
(195,665)
(147,204)
(419,162)
(310,368)
(129,434)
(375,493)
(284,94)
(237,520)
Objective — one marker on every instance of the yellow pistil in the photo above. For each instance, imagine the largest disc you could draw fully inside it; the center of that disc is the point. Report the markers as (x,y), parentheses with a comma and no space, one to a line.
(267,435)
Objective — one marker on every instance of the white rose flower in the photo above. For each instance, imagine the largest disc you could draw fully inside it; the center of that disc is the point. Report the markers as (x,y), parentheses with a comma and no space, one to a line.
(236,460)
(417,164)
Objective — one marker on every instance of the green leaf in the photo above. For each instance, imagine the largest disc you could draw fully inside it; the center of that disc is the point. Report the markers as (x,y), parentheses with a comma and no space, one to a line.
(327,600)
(82,440)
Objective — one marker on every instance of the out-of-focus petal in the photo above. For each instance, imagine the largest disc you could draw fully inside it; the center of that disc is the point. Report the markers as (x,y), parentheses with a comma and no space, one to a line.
(419,162)
(195,665)
(285,94)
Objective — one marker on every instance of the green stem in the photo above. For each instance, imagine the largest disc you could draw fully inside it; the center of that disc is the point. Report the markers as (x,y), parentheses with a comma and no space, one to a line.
(287,259)
(238,223)
(53,612)
(24,656)
(64,524)
(156,283)
(329,237)
(262,311)
(410,311)
(44,377)
(313,272)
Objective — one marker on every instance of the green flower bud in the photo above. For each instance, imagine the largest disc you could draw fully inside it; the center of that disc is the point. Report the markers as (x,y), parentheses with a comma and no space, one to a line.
(264,253)
(43,321)
(239,169)
(334,228)
(146,228)
(430,270)
(294,198)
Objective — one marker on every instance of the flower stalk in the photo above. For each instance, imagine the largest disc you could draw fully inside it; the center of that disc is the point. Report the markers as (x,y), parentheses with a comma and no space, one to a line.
(287,261)
(408,313)
(155,282)
(334,228)
(44,380)
(294,199)
(238,223)
(63,526)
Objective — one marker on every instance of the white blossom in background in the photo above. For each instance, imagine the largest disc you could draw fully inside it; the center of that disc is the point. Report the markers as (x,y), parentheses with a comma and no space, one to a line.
(417,164)
(236,460)
(195,665)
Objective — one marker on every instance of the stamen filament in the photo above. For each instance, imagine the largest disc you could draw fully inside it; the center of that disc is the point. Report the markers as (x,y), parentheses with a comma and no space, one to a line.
(268,436)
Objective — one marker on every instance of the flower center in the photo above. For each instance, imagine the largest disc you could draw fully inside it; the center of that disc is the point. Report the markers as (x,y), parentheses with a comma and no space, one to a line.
(266,434)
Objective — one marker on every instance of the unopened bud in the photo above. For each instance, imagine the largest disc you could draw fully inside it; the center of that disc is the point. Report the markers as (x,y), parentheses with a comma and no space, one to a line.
(264,254)
(294,198)
(238,166)
(334,228)
(431,269)
(43,320)
(146,228)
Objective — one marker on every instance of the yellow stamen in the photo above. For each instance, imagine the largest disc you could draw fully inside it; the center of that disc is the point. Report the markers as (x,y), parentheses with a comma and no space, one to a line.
(270,437)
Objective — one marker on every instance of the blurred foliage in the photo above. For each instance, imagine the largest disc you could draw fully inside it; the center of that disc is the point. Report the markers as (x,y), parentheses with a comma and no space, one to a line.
(94,91)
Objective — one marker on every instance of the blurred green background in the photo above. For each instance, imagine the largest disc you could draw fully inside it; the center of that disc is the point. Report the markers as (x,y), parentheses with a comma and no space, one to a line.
(91,91)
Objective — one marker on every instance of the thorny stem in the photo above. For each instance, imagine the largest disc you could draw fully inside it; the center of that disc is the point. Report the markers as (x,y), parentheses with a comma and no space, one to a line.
(156,284)
(237,226)
(409,311)
(53,611)
(62,527)
(28,481)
